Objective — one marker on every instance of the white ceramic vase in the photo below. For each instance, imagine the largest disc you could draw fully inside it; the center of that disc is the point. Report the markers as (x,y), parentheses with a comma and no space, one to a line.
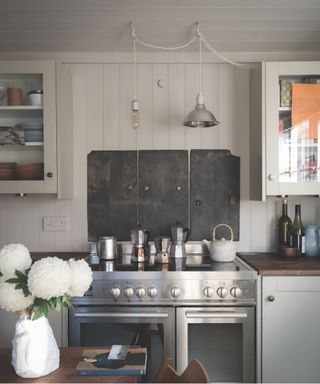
(35,352)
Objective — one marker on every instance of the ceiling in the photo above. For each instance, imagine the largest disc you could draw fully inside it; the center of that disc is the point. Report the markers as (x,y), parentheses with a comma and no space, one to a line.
(104,25)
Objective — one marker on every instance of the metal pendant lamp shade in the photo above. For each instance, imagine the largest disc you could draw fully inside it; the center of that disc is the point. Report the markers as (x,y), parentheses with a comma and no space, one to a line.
(200,117)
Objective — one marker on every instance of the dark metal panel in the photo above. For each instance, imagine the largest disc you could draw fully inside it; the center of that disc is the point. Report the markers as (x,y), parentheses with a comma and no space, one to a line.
(163,190)
(112,194)
(215,193)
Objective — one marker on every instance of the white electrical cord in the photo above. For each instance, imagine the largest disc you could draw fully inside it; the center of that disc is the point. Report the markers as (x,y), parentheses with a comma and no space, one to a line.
(198,35)
(133,29)
(135,69)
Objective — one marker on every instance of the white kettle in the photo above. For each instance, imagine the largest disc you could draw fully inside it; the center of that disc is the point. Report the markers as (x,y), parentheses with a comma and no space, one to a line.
(221,250)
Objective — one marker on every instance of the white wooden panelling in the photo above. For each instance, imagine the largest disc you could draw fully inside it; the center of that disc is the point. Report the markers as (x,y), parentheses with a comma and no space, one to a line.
(46,207)
(210,86)
(63,239)
(79,214)
(144,134)
(161,128)
(111,102)
(95,25)
(177,110)
(193,135)
(102,95)
(95,106)
(128,136)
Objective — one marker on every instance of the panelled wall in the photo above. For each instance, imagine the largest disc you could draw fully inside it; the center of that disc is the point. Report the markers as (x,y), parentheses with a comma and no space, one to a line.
(102,95)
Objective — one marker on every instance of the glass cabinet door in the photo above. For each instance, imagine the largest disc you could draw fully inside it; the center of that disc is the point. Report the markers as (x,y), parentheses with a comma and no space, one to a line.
(292,128)
(299,123)
(21,126)
(27,127)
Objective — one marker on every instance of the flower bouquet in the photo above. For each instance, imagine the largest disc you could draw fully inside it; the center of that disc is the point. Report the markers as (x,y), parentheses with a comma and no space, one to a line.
(31,291)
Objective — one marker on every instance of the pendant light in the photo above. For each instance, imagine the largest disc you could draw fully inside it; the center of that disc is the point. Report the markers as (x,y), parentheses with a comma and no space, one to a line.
(135,118)
(200,117)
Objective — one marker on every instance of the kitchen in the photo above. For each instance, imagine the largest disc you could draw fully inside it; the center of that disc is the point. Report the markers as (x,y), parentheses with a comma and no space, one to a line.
(103,77)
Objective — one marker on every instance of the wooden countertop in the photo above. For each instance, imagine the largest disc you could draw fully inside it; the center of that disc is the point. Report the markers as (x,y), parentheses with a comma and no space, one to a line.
(69,358)
(62,255)
(271,264)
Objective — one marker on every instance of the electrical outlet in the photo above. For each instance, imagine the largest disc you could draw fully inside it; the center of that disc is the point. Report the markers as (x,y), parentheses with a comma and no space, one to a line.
(55,223)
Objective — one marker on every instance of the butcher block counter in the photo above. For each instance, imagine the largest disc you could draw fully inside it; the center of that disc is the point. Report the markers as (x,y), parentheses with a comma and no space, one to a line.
(271,264)
(69,358)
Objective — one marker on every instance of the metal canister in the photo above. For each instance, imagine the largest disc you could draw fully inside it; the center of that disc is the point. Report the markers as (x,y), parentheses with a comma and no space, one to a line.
(107,247)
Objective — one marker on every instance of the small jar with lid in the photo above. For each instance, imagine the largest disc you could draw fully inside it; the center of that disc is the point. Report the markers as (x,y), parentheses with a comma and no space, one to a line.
(35,97)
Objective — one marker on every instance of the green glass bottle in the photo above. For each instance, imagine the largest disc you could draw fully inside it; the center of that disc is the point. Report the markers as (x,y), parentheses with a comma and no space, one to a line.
(297,233)
(285,225)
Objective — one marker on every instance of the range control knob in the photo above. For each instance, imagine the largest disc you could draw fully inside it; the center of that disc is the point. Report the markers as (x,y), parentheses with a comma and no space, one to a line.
(140,292)
(208,291)
(175,292)
(152,292)
(222,292)
(128,292)
(115,292)
(235,292)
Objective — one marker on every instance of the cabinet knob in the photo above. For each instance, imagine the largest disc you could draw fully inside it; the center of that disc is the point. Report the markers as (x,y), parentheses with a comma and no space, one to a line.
(271,298)
(146,188)
(272,177)
(49,174)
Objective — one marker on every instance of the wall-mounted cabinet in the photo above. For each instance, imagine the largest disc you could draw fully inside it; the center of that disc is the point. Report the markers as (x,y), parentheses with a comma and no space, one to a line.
(285,126)
(35,136)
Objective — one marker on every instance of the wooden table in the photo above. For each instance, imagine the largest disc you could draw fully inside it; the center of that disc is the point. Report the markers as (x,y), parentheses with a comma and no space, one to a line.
(69,358)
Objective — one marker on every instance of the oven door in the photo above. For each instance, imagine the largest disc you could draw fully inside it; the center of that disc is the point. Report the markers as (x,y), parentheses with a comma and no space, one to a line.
(149,327)
(221,338)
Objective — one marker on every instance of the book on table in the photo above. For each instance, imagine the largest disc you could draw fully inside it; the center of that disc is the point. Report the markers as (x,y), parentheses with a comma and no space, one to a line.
(95,362)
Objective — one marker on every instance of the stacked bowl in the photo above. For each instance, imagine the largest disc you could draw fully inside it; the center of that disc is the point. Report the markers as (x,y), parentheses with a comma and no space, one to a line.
(33,131)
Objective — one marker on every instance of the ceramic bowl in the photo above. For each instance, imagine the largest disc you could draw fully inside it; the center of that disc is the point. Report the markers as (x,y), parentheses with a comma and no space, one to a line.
(30,171)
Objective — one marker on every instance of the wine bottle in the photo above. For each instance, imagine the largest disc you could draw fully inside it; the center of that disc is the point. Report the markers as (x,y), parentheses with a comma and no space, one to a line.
(298,236)
(285,225)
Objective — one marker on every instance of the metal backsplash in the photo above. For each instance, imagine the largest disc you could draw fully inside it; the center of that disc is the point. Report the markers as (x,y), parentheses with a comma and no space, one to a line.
(157,188)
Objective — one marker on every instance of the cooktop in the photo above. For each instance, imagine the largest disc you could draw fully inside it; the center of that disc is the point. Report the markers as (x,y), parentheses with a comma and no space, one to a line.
(192,263)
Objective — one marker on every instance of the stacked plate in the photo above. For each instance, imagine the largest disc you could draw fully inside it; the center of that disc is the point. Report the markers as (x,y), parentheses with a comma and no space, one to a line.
(33,131)
(30,171)
(7,171)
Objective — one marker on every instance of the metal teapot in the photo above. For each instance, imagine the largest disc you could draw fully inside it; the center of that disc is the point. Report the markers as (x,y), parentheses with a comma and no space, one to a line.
(221,250)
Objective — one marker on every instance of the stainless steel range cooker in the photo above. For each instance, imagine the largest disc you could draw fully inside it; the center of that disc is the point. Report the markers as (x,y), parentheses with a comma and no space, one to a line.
(190,308)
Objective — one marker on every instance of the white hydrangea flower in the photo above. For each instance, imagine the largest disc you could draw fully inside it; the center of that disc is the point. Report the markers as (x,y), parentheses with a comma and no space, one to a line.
(11,299)
(49,277)
(81,277)
(14,257)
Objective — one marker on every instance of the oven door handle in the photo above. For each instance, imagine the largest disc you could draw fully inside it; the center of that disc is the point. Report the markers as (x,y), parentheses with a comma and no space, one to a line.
(122,314)
(215,315)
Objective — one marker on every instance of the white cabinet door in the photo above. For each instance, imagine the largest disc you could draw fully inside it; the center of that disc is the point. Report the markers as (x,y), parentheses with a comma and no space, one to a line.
(290,329)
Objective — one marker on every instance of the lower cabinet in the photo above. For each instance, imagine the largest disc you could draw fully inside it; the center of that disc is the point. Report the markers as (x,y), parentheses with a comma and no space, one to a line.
(8,321)
(290,329)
